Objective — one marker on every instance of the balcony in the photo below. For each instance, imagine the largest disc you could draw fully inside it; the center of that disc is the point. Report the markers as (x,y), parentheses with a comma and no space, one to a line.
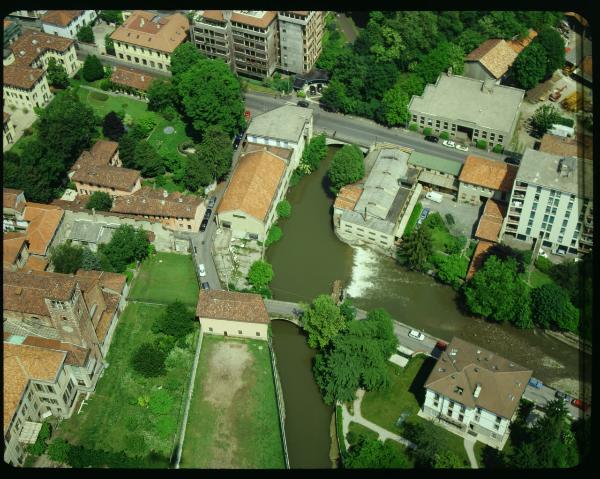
(515,211)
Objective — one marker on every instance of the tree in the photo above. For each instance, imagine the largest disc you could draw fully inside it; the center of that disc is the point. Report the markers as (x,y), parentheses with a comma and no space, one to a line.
(58,451)
(149,360)
(530,66)
(66,258)
(347,167)
(373,454)
(544,117)
(438,60)
(57,75)
(109,45)
(112,16)
(161,95)
(126,245)
(92,68)
(554,46)
(112,126)
(197,173)
(215,152)
(90,260)
(146,159)
(260,274)
(322,321)
(184,57)
(284,209)
(99,200)
(394,107)
(568,275)
(127,147)
(551,307)
(176,321)
(432,448)
(451,269)
(314,152)
(86,34)
(416,249)
(211,96)
(273,236)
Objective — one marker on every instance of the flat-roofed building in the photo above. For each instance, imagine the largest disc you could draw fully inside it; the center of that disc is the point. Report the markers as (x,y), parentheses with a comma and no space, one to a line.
(67,23)
(552,200)
(300,39)
(229,313)
(436,173)
(475,391)
(468,108)
(481,178)
(148,39)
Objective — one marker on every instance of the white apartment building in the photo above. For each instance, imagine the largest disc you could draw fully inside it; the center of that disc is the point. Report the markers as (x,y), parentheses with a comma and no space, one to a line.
(300,39)
(25,87)
(67,23)
(474,391)
(552,200)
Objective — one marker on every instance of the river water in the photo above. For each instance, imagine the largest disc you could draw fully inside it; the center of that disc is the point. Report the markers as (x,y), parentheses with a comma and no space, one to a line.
(309,258)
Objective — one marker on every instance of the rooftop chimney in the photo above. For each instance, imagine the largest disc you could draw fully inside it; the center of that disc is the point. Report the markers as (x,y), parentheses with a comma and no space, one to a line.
(477,390)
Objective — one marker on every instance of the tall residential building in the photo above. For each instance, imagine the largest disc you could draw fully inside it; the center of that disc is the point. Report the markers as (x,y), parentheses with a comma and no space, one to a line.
(300,39)
(552,199)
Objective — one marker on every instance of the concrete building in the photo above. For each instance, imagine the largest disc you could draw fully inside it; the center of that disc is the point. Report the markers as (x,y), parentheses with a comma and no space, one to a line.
(148,39)
(30,14)
(490,60)
(228,313)
(481,178)
(247,40)
(552,200)
(377,215)
(468,109)
(300,39)
(67,23)
(474,391)
(8,129)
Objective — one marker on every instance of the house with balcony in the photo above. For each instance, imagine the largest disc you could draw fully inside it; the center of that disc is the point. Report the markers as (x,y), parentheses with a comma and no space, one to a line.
(67,23)
(473,391)
(552,201)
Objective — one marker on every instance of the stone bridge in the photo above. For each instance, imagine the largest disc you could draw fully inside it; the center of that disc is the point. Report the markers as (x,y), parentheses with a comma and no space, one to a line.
(293,312)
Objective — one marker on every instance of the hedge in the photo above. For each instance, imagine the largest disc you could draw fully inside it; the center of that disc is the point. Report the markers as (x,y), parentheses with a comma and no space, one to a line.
(481,144)
(413,127)
(427,131)
(444,135)
(498,149)
(565,121)
(340,430)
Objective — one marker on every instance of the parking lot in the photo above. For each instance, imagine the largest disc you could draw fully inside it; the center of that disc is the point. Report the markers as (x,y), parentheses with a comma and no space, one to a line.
(465,216)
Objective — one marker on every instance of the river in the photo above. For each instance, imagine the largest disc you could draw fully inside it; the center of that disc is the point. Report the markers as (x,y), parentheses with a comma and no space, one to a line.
(309,258)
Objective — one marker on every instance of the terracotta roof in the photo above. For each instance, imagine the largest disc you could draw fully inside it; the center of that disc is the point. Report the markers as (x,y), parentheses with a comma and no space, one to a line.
(347,197)
(285,153)
(490,222)
(9,199)
(464,368)
(133,78)
(62,18)
(232,306)
(11,247)
(21,76)
(149,30)
(253,185)
(80,201)
(147,201)
(495,55)
(22,363)
(495,175)
(100,154)
(479,257)
(76,355)
(54,286)
(32,44)
(35,263)
(43,223)
(112,301)
(242,18)
(557,145)
(111,281)
(519,45)
(123,179)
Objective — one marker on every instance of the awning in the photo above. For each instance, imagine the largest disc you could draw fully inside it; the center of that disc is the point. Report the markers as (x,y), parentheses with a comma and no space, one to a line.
(443,181)
(30,432)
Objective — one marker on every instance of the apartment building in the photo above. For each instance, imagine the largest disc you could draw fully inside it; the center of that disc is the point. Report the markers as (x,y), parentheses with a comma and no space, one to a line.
(34,49)
(468,109)
(67,23)
(300,39)
(8,129)
(31,14)
(474,391)
(148,39)
(552,200)
(25,88)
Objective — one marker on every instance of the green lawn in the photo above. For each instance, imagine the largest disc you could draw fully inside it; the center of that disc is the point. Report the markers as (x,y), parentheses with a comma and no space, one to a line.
(405,395)
(537,278)
(168,184)
(165,277)
(135,108)
(112,419)
(233,420)
(167,144)
(358,429)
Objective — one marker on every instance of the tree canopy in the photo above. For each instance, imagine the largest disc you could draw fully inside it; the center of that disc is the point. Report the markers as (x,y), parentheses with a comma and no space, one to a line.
(161,95)
(554,46)
(57,75)
(260,274)
(112,126)
(373,454)
(530,66)
(126,245)
(322,321)
(147,160)
(551,307)
(314,152)
(92,68)
(176,321)
(66,258)
(544,117)
(184,57)
(99,200)
(86,34)
(348,166)
(416,249)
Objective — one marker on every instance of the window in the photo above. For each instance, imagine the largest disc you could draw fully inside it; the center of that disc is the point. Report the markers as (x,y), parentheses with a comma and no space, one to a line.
(257,333)
(39,387)
(528,231)
(239,331)
(461,417)
(210,329)
(498,419)
(50,389)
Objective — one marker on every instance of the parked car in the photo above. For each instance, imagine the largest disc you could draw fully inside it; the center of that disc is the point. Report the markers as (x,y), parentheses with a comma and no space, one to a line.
(460,147)
(423,215)
(543,254)
(212,201)
(578,403)
(236,141)
(512,161)
(561,395)
(536,383)
(449,143)
(432,139)
(441,345)
(203,225)
(205,285)
(413,333)
(201,270)
(207,214)
(303,103)
(434,196)
(560,252)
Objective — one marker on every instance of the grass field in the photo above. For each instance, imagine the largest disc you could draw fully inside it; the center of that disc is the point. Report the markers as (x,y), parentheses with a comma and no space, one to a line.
(537,278)
(164,278)
(357,429)
(167,144)
(135,108)
(406,394)
(113,419)
(233,420)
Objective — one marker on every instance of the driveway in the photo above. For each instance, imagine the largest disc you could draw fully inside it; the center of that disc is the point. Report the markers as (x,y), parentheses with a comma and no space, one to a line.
(101,29)
(466,216)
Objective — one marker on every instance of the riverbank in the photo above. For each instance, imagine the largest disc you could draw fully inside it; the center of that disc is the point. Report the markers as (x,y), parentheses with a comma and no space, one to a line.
(572,340)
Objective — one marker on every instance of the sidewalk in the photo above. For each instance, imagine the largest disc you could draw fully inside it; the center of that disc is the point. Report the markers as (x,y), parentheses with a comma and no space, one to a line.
(469,444)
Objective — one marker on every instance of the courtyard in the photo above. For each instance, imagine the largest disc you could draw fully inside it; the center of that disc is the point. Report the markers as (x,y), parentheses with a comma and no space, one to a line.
(466,216)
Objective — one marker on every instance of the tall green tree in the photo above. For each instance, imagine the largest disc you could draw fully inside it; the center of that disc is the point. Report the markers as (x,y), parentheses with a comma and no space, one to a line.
(438,60)
(161,95)
(109,45)
(322,321)
(184,57)
(551,307)
(347,167)
(314,152)
(126,245)
(544,117)
(100,201)
(127,146)
(57,75)
(198,173)
(433,449)
(86,34)
(215,151)
(452,268)
(66,258)
(374,454)
(146,159)
(112,16)
(112,126)
(90,260)
(394,107)
(416,249)
(284,209)
(176,321)
(260,274)
(92,68)
(554,46)
(530,66)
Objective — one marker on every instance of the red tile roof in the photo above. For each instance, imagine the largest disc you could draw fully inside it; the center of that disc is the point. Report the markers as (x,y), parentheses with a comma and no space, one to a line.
(61,18)
(137,79)
(43,220)
(495,55)
(490,222)
(495,175)
(232,306)
(147,201)
(21,76)
(32,44)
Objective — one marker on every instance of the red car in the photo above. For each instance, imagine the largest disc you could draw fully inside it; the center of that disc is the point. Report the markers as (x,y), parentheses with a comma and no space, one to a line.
(441,345)
(578,403)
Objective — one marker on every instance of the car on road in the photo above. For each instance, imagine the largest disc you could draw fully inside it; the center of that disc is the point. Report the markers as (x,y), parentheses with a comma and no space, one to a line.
(413,333)
(201,270)
(205,285)
(543,254)
(578,403)
(236,141)
(512,161)
(536,383)
(449,143)
(303,103)
(423,215)
(431,138)
(212,201)
(207,214)
(561,395)
(460,147)
(195,250)
(203,225)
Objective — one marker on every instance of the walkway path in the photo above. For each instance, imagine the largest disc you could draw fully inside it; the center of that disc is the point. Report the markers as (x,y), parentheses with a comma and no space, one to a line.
(358,418)
(469,443)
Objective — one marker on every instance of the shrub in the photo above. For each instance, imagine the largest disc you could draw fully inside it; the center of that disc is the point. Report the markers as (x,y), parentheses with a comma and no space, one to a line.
(96,95)
(498,149)
(58,450)
(177,321)
(273,236)
(177,357)
(444,135)
(296,177)
(161,402)
(413,127)
(565,121)
(25,110)
(169,113)
(284,209)
(449,219)
(39,447)
(427,131)
(301,94)
(543,264)
(105,84)
(146,124)
(99,200)
(481,144)
(149,360)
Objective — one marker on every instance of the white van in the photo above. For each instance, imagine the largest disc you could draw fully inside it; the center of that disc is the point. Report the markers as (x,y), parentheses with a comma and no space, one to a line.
(434,196)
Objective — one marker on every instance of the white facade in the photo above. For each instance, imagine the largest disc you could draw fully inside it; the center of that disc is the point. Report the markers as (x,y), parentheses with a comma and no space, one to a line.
(236,329)
(71,30)
(37,96)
